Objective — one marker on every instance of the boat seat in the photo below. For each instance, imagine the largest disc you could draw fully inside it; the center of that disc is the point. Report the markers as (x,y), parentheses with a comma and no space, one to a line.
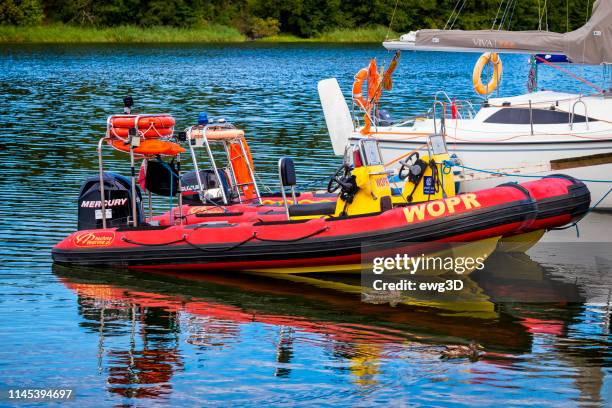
(322,208)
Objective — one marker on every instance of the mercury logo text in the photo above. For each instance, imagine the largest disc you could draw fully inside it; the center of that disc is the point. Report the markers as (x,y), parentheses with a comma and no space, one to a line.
(108,203)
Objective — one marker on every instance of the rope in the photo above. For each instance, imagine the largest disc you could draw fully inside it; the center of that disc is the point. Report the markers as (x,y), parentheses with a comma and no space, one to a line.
(457,15)
(449,163)
(295,239)
(570,74)
(544,102)
(507,13)
(532,79)
(252,237)
(497,14)
(404,155)
(129,241)
(511,16)
(567,16)
(606,137)
(391,21)
(416,136)
(575,224)
(539,16)
(451,14)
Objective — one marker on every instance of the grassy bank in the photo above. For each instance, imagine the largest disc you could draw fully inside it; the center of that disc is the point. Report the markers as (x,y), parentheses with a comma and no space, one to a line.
(361,35)
(59,33)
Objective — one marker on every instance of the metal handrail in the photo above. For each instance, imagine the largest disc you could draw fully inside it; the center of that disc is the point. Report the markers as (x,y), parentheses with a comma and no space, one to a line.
(442,121)
(531,117)
(194,159)
(471,110)
(101,176)
(586,114)
(216,170)
(443,93)
(460,103)
(132,161)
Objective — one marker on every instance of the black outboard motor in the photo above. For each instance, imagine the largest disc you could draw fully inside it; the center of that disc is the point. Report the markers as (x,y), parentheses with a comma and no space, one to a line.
(190,187)
(118,202)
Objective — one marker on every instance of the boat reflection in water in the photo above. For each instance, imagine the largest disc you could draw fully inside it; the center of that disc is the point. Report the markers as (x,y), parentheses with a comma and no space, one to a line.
(515,301)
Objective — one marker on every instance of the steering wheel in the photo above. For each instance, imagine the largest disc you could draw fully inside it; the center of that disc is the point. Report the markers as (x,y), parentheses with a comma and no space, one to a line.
(339,179)
(406,164)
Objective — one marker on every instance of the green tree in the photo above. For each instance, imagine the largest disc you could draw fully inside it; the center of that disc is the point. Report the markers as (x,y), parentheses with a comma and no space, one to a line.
(21,12)
(305,18)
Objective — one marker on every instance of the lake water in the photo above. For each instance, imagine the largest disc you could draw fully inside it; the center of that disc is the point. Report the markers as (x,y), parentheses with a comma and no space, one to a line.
(119,337)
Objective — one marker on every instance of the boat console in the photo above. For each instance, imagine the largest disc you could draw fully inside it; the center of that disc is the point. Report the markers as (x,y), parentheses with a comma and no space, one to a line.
(363,183)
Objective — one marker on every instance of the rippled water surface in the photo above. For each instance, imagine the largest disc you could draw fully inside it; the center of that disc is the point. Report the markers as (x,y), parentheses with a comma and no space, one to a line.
(119,337)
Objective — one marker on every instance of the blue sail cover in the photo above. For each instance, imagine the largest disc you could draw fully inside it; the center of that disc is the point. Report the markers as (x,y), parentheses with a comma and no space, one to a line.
(554,58)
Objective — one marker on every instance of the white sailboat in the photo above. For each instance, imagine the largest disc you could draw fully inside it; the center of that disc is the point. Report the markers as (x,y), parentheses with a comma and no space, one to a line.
(510,132)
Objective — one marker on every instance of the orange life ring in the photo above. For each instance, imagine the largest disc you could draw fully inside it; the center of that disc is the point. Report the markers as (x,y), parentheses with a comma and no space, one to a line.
(360,77)
(374,91)
(152,132)
(374,84)
(374,88)
(486,58)
(151,147)
(144,122)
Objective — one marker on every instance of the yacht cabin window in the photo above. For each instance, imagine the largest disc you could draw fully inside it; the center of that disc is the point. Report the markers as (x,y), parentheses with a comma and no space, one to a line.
(521,116)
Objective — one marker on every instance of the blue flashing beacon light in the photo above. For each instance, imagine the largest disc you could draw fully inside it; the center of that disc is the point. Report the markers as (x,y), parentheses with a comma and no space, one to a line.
(203,119)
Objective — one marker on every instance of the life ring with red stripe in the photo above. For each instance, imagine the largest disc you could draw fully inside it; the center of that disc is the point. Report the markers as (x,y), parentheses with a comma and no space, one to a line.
(144,122)
(152,132)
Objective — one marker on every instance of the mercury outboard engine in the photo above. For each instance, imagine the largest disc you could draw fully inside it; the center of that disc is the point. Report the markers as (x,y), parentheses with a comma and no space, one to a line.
(118,202)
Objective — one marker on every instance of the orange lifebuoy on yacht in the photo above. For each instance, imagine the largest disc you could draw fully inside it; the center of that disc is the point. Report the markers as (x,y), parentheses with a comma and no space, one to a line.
(360,78)
(374,83)
(374,91)
(486,58)
(150,147)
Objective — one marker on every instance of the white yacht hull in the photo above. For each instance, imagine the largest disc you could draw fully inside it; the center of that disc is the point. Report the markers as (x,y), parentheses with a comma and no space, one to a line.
(484,141)
(496,155)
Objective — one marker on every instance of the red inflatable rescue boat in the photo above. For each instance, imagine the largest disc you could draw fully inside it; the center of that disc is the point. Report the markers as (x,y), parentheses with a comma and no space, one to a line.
(271,241)
(226,223)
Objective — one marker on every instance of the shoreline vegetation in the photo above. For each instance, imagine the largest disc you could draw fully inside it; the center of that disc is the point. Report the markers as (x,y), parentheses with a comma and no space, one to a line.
(286,21)
(58,33)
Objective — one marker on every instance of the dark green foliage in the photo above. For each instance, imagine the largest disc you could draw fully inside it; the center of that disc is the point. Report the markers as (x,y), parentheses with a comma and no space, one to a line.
(260,27)
(305,18)
(21,12)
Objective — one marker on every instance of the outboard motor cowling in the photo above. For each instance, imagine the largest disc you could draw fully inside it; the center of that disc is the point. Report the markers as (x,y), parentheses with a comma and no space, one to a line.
(210,183)
(117,190)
